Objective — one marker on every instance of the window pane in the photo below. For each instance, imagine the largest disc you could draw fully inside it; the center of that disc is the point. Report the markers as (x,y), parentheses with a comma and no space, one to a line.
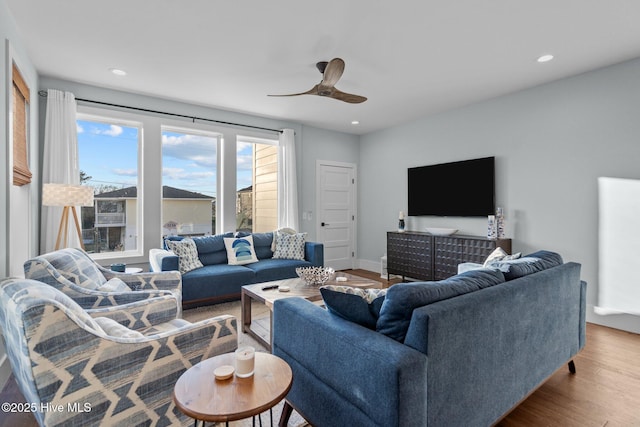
(188,183)
(108,154)
(257,179)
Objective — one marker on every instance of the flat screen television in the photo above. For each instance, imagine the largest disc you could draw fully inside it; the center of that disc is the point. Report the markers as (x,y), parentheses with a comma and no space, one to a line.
(464,188)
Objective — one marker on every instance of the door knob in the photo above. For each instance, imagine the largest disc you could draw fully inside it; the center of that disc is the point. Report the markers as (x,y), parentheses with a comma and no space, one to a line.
(323,224)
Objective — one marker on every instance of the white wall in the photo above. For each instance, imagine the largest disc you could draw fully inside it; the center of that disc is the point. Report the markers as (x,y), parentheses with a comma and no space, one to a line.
(551,143)
(19,220)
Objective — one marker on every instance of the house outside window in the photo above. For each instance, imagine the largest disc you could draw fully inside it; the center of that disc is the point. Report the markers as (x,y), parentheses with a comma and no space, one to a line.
(189,163)
(257,183)
(108,152)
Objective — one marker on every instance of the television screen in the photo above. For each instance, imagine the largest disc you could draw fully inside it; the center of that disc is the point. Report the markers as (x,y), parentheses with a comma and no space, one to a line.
(465,188)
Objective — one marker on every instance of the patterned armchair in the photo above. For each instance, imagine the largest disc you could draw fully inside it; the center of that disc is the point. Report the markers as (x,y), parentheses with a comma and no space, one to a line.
(93,369)
(73,272)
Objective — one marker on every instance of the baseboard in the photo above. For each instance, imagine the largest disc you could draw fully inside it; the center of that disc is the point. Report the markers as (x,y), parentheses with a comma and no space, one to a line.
(368,265)
(625,322)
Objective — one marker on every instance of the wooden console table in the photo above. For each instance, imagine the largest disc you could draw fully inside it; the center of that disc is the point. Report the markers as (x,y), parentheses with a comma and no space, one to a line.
(424,256)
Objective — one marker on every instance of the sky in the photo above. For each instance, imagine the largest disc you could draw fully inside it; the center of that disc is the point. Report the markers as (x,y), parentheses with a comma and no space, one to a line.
(109,154)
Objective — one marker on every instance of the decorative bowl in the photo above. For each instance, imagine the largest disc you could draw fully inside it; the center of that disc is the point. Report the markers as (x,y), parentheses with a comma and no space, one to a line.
(442,231)
(315,276)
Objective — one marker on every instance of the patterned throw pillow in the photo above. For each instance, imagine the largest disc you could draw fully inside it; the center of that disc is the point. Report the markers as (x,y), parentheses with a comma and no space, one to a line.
(187,253)
(240,251)
(290,246)
(361,306)
(500,255)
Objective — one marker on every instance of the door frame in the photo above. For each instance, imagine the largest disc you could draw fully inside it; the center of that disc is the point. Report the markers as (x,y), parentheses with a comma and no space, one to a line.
(354,202)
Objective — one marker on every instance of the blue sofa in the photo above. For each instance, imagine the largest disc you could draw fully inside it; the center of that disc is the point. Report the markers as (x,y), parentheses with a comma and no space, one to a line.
(217,281)
(460,352)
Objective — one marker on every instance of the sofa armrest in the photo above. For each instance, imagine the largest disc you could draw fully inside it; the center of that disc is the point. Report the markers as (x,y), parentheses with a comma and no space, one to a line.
(142,314)
(364,377)
(162,260)
(314,253)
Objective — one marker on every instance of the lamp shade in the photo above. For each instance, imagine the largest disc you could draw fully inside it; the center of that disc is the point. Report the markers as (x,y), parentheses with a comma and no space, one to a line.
(67,195)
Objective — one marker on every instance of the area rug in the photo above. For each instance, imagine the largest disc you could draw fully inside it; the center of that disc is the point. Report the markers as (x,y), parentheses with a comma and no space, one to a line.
(260,316)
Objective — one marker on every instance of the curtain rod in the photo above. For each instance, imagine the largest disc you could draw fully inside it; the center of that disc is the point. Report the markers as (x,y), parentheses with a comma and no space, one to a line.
(43,93)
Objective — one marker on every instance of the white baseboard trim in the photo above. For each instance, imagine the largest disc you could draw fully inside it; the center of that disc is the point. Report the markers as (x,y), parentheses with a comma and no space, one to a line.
(368,265)
(625,322)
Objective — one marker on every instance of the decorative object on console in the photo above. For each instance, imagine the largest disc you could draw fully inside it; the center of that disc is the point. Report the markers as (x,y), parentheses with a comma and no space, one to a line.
(118,267)
(491,227)
(68,196)
(500,223)
(442,231)
(401,222)
(315,276)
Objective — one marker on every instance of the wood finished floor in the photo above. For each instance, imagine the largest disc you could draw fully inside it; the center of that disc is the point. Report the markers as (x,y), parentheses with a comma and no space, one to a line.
(605,391)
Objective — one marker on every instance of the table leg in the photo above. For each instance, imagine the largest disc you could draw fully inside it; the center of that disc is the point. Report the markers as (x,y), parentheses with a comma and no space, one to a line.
(246,311)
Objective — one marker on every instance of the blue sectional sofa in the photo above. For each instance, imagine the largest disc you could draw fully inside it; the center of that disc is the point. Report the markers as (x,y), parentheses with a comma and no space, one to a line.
(460,352)
(217,281)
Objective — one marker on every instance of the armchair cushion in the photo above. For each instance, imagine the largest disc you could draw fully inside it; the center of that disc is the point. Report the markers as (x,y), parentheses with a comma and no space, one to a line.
(114,285)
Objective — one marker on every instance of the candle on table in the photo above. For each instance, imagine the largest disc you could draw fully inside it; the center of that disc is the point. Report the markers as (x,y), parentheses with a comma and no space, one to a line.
(245,361)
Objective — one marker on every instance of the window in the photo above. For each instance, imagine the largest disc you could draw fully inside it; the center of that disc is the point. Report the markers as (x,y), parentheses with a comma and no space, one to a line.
(108,158)
(189,161)
(257,185)
(20,104)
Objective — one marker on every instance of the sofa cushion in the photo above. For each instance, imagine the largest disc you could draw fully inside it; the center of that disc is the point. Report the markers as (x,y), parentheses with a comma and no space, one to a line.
(532,263)
(211,249)
(403,298)
(215,280)
(262,245)
(361,306)
(290,246)
(240,250)
(187,253)
(267,270)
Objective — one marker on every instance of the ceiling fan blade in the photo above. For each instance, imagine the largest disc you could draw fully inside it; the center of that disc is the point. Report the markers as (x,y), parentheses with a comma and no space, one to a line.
(333,72)
(347,97)
(312,91)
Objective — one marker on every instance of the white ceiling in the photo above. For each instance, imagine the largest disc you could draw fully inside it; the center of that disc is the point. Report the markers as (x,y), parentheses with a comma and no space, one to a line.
(411,58)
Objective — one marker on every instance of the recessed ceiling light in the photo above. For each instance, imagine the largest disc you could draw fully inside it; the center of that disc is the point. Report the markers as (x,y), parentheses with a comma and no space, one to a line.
(118,72)
(545,58)
(355,122)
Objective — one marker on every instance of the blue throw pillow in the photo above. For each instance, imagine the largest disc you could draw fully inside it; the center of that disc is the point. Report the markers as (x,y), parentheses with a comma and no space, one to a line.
(532,263)
(361,306)
(403,298)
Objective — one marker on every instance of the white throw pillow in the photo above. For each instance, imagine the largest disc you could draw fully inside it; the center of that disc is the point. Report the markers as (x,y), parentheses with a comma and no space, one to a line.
(500,255)
(290,246)
(187,253)
(240,250)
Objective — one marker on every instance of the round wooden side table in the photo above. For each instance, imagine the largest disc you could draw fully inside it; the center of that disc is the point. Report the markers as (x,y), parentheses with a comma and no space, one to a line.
(199,395)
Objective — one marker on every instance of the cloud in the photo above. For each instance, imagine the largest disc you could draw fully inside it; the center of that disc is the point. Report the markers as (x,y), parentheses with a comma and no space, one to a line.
(125,172)
(200,150)
(114,130)
(181,174)
(79,129)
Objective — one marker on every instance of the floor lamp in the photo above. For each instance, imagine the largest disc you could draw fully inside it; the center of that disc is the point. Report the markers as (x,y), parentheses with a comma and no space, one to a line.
(68,196)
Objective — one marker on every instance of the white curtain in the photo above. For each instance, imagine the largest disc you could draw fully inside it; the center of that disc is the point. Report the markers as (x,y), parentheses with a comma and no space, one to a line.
(60,161)
(287,181)
(619,283)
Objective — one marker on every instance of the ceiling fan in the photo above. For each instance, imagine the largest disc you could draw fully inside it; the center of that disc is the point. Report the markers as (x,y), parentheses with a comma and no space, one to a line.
(331,73)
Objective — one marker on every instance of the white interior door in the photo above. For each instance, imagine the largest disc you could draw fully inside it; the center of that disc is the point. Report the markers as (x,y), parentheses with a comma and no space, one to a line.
(336,195)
